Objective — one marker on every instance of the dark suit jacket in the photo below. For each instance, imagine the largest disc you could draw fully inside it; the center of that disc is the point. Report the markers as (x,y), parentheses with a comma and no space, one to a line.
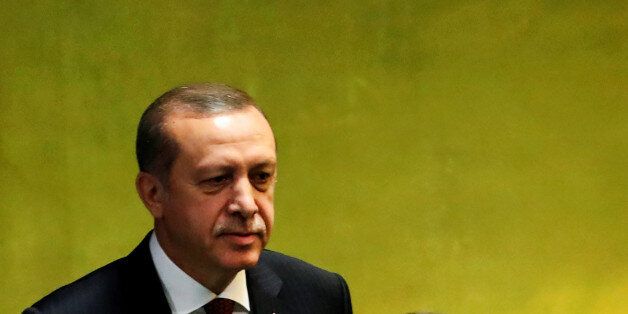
(277,284)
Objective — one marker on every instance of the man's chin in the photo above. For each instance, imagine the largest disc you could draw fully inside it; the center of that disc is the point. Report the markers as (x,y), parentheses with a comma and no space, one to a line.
(238,260)
(237,253)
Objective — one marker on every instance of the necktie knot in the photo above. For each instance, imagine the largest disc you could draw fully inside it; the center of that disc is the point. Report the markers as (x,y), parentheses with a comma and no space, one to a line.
(219,306)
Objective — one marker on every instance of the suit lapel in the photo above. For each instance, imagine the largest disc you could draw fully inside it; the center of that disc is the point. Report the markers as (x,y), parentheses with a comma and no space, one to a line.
(263,285)
(144,287)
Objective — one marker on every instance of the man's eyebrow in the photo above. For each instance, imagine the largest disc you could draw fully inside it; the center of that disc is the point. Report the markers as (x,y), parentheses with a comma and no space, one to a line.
(228,167)
(265,163)
(214,167)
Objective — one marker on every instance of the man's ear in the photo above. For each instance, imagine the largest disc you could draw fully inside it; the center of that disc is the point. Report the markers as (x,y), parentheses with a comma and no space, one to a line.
(152,192)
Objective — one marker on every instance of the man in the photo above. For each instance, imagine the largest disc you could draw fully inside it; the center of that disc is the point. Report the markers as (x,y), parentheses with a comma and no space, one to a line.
(208,168)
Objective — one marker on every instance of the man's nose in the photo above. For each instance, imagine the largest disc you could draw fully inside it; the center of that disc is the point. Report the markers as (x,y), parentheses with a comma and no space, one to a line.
(243,201)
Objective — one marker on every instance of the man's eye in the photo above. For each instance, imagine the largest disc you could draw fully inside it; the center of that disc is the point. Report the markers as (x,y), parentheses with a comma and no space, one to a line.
(261,177)
(262,180)
(218,180)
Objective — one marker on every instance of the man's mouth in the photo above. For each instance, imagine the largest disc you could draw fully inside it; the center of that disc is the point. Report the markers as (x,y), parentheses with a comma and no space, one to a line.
(241,238)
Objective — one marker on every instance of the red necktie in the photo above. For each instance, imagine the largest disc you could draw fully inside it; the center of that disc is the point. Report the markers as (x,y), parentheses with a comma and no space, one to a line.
(219,306)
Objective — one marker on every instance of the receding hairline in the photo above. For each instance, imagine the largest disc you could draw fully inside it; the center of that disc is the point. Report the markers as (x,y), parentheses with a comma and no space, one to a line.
(177,112)
(204,99)
(185,109)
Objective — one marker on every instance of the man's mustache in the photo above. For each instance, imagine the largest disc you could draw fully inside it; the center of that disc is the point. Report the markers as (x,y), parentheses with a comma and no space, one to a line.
(237,226)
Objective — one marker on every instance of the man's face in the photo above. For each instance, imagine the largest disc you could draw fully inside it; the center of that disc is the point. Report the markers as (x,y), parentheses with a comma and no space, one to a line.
(218,206)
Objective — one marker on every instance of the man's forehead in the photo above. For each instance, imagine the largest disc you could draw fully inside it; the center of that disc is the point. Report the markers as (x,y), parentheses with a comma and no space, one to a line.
(241,125)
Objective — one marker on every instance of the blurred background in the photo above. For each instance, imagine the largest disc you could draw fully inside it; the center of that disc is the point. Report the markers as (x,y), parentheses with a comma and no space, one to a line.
(446,156)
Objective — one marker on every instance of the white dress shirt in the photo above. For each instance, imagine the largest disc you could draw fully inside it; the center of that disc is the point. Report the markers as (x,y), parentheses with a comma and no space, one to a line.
(185,295)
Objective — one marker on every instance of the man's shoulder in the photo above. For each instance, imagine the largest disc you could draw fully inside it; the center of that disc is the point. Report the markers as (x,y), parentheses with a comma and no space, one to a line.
(94,290)
(127,285)
(285,265)
(296,273)
(303,284)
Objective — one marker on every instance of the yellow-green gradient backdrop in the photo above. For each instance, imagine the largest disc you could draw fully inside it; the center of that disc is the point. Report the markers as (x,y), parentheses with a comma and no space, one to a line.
(457,157)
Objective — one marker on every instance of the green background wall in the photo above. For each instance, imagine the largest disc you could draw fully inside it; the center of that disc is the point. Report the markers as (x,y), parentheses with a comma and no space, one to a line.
(458,157)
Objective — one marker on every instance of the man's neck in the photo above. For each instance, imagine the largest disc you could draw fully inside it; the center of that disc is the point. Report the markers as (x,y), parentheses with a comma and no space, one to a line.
(216,280)
(186,294)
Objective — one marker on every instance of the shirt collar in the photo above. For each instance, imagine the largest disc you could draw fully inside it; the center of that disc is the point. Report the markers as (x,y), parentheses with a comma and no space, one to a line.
(184,294)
